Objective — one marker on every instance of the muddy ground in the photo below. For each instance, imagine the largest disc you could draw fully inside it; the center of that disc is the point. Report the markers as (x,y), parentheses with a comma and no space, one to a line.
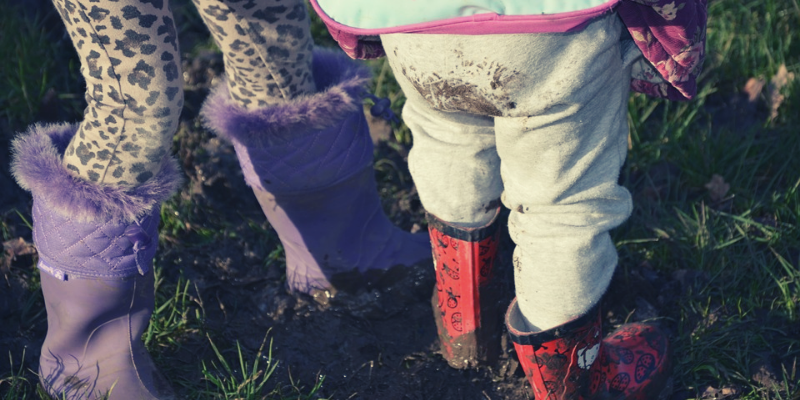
(378,344)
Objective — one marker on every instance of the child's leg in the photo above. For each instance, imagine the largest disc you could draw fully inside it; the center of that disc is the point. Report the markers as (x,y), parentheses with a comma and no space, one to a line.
(266,46)
(559,111)
(559,107)
(96,235)
(131,63)
(457,172)
(560,165)
(453,162)
(296,121)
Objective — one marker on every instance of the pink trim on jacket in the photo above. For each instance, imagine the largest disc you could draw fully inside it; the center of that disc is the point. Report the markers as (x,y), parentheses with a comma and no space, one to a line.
(362,43)
(484,24)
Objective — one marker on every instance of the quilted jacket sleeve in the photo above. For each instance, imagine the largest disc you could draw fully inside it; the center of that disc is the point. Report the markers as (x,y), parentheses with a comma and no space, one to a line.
(671,35)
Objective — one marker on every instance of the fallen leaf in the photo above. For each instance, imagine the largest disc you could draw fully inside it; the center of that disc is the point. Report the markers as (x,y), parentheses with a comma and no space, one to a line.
(717,187)
(778,82)
(18,247)
(721,393)
(688,278)
(753,88)
(644,310)
(764,372)
(15,248)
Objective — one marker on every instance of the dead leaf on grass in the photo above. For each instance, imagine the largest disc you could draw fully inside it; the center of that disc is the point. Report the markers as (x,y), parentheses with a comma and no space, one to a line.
(644,310)
(753,88)
(717,187)
(16,248)
(764,372)
(778,82)
(721,393)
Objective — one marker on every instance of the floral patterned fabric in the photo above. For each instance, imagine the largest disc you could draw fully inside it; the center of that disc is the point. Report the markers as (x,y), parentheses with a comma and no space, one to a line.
(671,35)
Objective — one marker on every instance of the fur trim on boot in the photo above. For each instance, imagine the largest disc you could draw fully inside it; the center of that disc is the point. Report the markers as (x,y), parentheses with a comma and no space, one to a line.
(37,167)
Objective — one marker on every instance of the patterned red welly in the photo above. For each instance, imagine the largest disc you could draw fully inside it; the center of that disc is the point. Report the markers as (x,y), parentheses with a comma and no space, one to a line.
(571,361)
(467,300)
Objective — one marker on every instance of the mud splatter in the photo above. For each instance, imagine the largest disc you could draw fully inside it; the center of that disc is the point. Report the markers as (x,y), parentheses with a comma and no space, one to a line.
(497,78)
(482,346)
(465,93)
(456,95)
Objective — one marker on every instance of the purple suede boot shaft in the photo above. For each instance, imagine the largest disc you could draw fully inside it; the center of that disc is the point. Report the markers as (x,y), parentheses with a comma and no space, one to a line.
(93,346)
(309,162)
(96,246)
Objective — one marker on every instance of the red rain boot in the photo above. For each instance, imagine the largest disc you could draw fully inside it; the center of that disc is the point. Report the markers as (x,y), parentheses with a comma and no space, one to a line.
(572,362)
(466,300)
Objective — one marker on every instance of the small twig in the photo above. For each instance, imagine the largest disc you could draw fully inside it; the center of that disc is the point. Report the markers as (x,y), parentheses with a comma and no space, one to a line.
(379,82)
(221,306)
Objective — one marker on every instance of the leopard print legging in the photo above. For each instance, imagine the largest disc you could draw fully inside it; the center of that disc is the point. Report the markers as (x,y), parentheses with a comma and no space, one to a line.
(266,46)
(131,62)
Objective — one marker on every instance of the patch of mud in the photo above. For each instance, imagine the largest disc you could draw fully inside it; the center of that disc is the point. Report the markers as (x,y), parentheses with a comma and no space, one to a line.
(22,318)
(456,95)
(450,93)
(371,344)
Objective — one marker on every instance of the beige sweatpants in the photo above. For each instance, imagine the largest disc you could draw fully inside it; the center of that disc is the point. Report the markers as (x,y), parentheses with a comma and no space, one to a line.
(538,121)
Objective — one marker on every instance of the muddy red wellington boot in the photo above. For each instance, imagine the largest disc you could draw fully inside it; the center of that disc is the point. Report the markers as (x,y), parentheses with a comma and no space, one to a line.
(572,361)
(466,300)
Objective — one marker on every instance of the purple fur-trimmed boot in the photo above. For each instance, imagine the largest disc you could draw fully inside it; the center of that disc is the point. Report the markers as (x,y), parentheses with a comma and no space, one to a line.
(309,162)
(96,246)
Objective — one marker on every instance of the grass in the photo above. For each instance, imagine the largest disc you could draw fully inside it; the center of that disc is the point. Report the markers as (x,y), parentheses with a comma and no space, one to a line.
(249,381)
(246,383)
(39,68)
(177,314)
(737,316)
(745,244)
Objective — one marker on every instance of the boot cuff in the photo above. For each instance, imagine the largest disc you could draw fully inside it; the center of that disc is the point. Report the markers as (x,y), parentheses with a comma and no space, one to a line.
(518,332)
(340,85)
(37,167)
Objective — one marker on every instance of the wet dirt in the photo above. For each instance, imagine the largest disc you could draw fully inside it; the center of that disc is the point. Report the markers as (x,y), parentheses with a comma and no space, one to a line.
(450,93)
(371,344)
(456,95)
(380,343)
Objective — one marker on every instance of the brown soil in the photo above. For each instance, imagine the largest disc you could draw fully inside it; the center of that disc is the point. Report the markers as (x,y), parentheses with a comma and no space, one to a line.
(378,344)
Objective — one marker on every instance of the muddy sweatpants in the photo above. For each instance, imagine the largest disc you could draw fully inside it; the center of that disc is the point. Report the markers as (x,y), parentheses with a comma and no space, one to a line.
(538,121)
(134,86)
